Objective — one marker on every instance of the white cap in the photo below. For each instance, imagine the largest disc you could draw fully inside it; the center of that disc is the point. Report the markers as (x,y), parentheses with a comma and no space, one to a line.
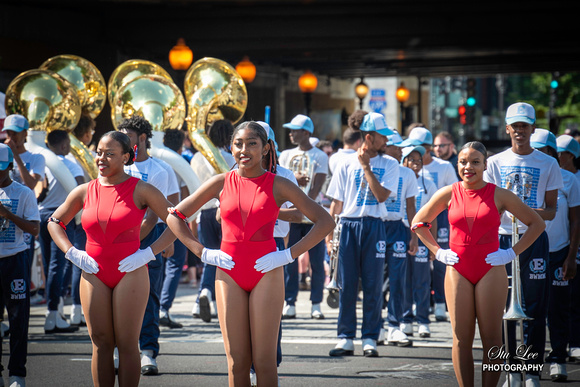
(375,122)
(566,143)
(520,112)
(419,136)
(541,138)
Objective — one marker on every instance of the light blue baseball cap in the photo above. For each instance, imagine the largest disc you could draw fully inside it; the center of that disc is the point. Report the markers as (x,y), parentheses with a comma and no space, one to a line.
(419,136)
(300,122)
(566,143)
(520,112)
(15,123)
(543,137)
(6,156)
(408,150)
(375,122)
(395,139)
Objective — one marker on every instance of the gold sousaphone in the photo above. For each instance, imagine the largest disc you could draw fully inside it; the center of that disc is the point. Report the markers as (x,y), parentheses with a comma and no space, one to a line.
(214,91)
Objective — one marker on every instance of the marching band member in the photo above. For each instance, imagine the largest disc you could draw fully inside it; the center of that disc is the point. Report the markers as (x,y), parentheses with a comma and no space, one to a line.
(359,187)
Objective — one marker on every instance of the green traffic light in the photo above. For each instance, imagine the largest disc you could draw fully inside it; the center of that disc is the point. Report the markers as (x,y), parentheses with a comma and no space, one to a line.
(554,84)
(471,101)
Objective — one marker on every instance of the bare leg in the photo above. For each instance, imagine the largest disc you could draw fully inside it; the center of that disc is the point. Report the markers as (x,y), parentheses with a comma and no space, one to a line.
(233,314)
(97,306)
(266,303)
(459,293)
(129,302)
(490,299)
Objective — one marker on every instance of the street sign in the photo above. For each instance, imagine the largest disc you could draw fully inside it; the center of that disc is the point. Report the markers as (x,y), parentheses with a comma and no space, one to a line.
(378,101)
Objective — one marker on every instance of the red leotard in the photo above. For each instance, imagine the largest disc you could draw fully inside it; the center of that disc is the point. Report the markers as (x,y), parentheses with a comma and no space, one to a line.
(112,222)
(474,222)
(249,212)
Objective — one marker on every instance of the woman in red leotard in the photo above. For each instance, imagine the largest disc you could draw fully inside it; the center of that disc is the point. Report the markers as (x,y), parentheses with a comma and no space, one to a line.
(250,283)
(476,282)
(114,284)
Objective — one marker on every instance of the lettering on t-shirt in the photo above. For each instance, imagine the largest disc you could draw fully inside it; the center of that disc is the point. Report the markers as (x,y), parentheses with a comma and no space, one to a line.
(9,235)
(522,181)
(365,196)
(394,205)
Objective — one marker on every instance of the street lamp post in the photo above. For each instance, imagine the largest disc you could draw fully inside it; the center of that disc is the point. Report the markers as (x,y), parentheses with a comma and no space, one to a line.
(361,90)
(402,96)
(307,84)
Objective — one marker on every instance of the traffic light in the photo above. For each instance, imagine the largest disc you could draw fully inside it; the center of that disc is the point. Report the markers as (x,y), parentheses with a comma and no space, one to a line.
(470,102)
(462,118)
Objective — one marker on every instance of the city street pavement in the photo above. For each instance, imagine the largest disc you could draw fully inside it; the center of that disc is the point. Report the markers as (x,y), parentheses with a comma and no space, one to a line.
(194,354)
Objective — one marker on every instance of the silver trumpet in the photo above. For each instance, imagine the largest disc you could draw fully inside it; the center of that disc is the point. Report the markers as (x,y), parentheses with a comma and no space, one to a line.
(515,312)
(333,287)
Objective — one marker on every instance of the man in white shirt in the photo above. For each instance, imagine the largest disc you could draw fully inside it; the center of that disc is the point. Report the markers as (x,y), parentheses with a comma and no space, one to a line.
(310,167)
(535,178)
(150,171)
(53,258)
(359,188)
(441,172)
(18,215)
(351,140)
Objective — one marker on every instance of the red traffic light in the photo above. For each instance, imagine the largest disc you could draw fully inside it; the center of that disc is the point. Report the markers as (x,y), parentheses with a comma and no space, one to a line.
(461,110)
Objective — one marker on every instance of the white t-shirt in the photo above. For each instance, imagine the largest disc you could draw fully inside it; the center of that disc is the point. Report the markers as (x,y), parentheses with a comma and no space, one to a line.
(20,200)
(172,183)
(406,188)
(337,157)
(205,171)
(150,171)
(558,229)
(282,227)
(441,172)
(349,186)
(56,194)
(528,176)
(34,163)
(426,189)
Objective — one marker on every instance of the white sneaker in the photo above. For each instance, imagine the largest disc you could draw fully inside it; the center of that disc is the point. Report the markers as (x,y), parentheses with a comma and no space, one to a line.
(382,336)
(316,313)
(214,309)
(204,305)
(4,329)
(36,299)
(148,363)
(55,323)
(289,312)
(574,353)
(76,315)
(16,381)
(370,348)
(406,328)
(195,310)
(515,380)
(424,330)
(440,312)
(396,337)
(558,372)
(532,380)
(345,347)
(253,379)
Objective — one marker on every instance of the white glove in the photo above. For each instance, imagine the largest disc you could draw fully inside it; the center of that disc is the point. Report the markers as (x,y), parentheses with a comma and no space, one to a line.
(217,258)
(447,256)
(500,257)
(81,259)
(273,260)
(136,260)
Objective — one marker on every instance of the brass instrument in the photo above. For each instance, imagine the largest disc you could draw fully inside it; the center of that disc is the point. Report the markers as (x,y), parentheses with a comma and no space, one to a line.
(333,287)
(92,93)
(515,311)
(49,102)
(213,91)
(156,98)
(302,164)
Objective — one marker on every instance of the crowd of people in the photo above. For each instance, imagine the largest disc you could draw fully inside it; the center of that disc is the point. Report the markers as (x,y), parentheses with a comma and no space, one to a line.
(424,228)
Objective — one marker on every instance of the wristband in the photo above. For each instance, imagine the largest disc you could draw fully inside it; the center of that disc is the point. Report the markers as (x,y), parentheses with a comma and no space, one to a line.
(419,225)
(176,212)
(57,221)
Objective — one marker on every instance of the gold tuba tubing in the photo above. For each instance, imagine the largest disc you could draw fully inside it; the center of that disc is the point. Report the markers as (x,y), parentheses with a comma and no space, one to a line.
(214,91)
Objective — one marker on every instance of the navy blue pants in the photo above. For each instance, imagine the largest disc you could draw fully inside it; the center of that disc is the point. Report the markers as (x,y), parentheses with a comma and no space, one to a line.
(316,256)
(72,273)
(439,268)
(418,286)
(362,254)
(210,235)
(575,308)
(397,238)
(173,269)
(534,263)
(149,337)
(558,308)
(15,294)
